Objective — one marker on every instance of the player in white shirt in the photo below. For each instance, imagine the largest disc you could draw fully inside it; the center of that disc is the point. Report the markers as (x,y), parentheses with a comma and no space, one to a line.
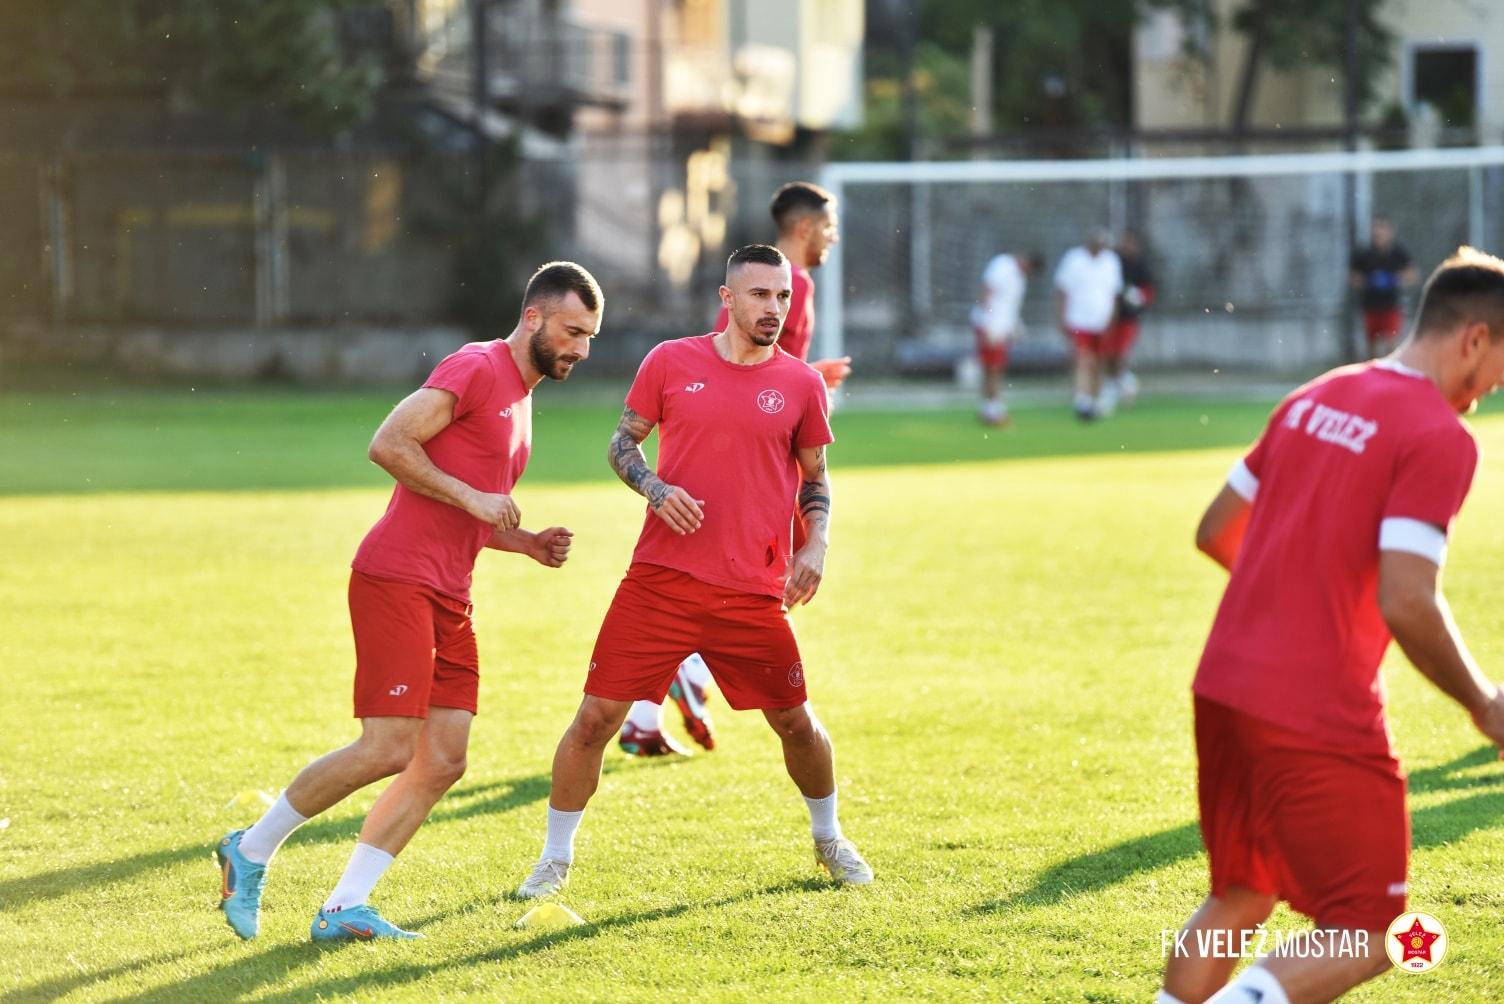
(1087,283)
(995,319)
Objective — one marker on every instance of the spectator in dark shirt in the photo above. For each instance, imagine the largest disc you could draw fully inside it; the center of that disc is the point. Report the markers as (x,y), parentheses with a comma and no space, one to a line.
(1380,273)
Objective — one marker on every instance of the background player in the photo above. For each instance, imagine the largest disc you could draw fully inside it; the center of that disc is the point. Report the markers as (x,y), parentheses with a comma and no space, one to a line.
(455,447)
(1335,528)
(1380,273)
(1118,382)
(808,226)
(1087,282)
(994,320)
(742,434)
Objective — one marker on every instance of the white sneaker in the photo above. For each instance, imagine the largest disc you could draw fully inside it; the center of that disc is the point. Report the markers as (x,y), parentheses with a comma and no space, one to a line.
(548,878)
(1107,400)
(841,859)
(1129,384)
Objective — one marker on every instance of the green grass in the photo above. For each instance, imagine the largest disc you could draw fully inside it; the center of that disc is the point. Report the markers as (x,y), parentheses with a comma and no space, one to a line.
(1001,650)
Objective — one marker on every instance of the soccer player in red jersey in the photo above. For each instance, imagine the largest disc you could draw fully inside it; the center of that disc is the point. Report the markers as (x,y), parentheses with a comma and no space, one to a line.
(1334,528)
(742,433)
(808,226)
(456,448)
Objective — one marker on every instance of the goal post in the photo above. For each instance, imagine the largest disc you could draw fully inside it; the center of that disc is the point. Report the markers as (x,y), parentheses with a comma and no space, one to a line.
(1250,253)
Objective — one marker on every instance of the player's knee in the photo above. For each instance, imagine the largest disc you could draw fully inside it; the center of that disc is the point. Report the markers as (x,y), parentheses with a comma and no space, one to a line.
(441,772)
(1240,908)
(1378,958)
(595,725)
(388,755)
(795,725)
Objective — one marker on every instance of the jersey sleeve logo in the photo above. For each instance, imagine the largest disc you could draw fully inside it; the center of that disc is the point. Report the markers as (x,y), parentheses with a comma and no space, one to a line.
(770,401)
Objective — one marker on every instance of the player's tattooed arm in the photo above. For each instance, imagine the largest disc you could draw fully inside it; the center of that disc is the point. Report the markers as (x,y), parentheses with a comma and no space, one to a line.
(630,463)
(814,492)
(808,566)
(674,505)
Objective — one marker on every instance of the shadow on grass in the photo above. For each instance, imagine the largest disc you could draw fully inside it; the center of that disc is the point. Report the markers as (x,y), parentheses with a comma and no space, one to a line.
(51,990)
(277,965)
(463,803)
(1433,826)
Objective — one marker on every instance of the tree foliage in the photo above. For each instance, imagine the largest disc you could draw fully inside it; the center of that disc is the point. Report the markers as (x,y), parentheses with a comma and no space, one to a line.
(1068,63)
(281,54)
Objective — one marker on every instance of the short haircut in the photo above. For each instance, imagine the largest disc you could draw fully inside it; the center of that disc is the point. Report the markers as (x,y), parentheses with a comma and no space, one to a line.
(1467,287)
(754,254)
(1034,260)
(557,279)
(795,200)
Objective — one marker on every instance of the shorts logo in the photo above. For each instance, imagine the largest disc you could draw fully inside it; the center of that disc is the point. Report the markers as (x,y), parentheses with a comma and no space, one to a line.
(398,690)
(505,413)
(770,401)
(695,388)
(1416,942)
(796,675)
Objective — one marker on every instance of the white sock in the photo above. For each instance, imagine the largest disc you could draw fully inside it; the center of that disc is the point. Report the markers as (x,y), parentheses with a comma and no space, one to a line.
(695,671)
(823,824)
(1257,985)
(367,865)
(561,830)
(262,840)
(646,716)
(1165,998)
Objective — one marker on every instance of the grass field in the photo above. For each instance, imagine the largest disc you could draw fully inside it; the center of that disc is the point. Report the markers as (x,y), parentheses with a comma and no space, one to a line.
(1001,650)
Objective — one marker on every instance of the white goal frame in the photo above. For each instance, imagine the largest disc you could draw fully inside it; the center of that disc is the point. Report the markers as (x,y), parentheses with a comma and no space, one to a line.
(837,176)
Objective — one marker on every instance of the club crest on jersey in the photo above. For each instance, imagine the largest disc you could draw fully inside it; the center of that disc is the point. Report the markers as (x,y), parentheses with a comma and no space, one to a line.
(770,401)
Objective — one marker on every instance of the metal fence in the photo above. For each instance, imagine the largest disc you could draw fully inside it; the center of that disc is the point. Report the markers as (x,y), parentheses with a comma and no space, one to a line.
(199,240)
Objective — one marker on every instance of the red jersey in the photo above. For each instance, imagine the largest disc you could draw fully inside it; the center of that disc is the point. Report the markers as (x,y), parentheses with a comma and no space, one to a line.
(728,435)
(432,543)
(799,325)
(1362,453)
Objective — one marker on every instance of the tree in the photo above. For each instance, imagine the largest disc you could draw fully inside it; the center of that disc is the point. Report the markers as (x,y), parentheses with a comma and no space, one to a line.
(1290,34)
(1069,64)
(281,54)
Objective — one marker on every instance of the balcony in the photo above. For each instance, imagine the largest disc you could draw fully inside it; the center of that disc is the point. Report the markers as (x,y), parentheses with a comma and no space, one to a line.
(537,63)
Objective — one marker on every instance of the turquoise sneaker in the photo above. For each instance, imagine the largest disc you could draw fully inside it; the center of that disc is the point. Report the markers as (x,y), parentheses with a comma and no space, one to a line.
(357,923)
(240,887)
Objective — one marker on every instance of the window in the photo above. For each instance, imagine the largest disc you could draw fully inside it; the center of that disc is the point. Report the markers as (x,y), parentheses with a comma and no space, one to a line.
(1446,78)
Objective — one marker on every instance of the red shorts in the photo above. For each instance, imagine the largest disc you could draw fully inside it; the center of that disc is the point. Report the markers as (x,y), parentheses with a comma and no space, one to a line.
(994,355)
(1326,831)
(414,649)
(1383,324)
(1118,341)
(1089,343)
(661,616)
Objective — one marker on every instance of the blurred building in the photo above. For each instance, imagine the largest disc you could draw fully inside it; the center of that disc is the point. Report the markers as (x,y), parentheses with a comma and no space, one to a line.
(1445,85)
(637,136)
(653,108)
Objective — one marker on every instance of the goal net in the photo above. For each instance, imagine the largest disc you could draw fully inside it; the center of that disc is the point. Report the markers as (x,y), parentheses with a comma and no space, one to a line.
(1250,254)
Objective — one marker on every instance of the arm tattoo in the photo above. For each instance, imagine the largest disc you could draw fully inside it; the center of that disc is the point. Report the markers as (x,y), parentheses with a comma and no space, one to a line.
(630,463)
(814,495)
